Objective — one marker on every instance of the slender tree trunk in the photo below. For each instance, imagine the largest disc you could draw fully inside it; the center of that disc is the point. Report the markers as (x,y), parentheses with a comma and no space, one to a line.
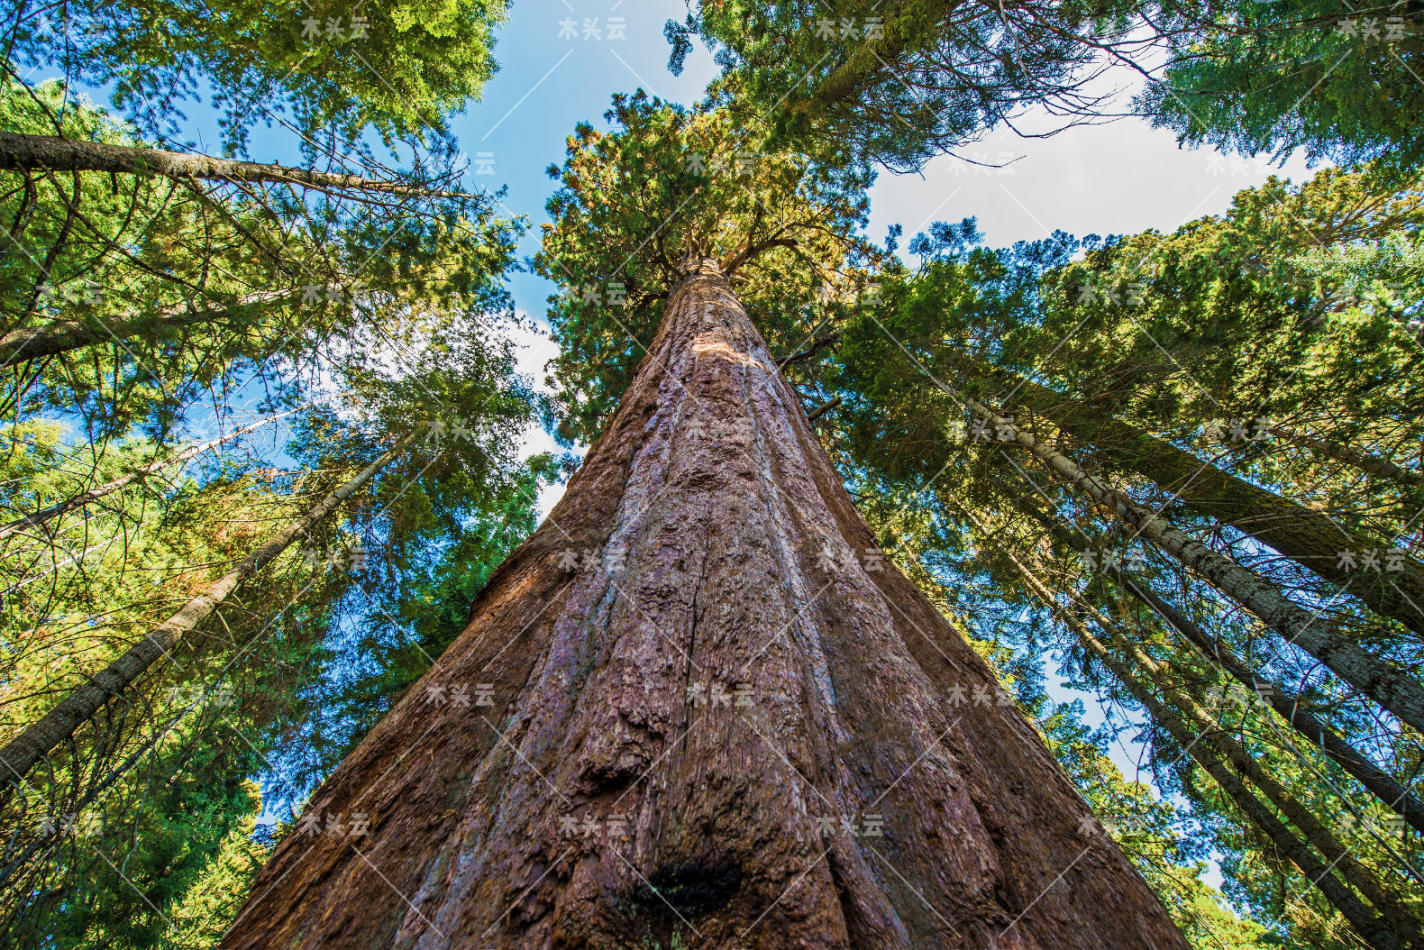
(1367,462)
(37,153)
(1290,706)
(1211,734)
(1214,750)
(1369,925)
(1393,688)
(92,495)
(1310,538)
(732,725)
(24,751)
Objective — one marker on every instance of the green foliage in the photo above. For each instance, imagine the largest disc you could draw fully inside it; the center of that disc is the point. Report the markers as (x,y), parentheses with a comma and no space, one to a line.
(296,287)
(902,82)
(1149,831)
(412,608)
(272,685)
(667,186)
(160,778)
(1336,81)
(377,315)
(416,62)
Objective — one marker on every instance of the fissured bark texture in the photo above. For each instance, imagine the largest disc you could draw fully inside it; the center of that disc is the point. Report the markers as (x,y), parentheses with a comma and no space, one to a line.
(698,709)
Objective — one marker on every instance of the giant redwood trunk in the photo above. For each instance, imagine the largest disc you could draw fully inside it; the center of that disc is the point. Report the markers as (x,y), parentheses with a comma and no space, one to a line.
(696,709)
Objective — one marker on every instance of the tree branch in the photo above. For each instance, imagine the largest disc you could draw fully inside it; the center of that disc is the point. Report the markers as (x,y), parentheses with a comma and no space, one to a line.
(822,410)
(810,351)
(31,153)
(752,251)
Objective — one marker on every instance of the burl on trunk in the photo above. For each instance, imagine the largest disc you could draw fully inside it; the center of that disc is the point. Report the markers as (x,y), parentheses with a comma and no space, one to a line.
(698,709)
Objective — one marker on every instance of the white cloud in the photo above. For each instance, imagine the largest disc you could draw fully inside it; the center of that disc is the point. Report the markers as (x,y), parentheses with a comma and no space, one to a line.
(1119,178)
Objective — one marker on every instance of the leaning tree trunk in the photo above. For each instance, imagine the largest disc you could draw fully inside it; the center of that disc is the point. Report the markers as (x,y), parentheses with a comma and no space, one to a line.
(1384,681)
(23,752)
(38,153)
(1286,703)
(1214,749)
(1367,462)
(732,725)
(1290,706)
(1320,544)
(30,343)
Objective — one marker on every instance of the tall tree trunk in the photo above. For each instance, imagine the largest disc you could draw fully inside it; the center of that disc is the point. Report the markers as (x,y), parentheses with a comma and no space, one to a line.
(1211,734)
(1228,763)
(1311,538)
(1285,702)
(37,153)
(1387,684)
(1367,462)
(37,518)
(733,726)
(24,751)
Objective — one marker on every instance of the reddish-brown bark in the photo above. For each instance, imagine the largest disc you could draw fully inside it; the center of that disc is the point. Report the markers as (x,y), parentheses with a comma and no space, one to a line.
(730,554)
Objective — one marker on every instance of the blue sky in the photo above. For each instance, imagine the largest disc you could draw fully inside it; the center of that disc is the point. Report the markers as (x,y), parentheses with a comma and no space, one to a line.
(560,66)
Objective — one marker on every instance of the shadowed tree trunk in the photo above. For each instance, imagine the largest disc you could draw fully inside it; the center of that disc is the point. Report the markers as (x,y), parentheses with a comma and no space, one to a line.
(697,709)
(1314,540)
(29,343)
(1393,927)
(1381,679)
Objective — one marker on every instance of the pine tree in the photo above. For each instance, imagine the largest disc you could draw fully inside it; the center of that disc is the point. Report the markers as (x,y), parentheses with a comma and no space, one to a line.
(934,371)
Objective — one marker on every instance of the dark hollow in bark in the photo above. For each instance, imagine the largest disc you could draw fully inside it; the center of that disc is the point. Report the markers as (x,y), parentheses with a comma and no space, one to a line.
(762,706)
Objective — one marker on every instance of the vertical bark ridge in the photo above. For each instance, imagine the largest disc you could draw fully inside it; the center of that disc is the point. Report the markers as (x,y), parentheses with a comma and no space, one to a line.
(728,555)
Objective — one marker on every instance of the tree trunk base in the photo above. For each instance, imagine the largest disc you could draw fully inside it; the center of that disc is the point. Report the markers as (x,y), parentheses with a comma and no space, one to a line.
(699,709)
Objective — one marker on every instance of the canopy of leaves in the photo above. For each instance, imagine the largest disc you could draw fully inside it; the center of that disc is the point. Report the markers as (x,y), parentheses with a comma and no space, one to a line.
(901,82)
(400,68)
(1339,82)
(190,289)
(173,306)
(667,186)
